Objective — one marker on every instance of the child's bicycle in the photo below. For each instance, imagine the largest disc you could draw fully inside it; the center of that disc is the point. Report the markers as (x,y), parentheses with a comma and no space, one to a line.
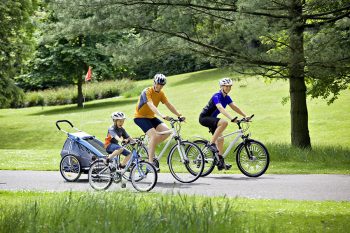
(252,157)
(143,175)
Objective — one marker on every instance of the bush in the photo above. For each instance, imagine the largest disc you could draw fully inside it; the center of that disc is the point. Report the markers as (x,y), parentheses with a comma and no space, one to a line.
(69,95)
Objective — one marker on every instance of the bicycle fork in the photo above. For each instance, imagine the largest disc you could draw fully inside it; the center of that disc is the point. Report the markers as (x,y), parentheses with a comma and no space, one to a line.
(182,152)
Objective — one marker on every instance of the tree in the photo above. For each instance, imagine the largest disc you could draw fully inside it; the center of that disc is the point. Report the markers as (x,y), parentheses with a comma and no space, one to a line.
(64,54)
(304,41)
(16,46)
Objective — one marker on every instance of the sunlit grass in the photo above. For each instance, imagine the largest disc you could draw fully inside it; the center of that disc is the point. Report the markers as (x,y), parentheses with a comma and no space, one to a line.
(150,212)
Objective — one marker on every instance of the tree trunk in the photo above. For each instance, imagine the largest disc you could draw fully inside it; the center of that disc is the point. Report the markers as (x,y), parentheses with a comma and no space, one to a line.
(80,98)
(298,110)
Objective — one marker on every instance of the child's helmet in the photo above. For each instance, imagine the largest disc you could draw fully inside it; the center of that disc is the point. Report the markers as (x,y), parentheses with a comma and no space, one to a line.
(118,116)
(160,79)
(225,82)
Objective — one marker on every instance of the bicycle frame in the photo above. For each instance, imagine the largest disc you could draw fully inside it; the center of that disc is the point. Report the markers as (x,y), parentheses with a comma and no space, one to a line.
(174,135)
(134,157)
(233,142)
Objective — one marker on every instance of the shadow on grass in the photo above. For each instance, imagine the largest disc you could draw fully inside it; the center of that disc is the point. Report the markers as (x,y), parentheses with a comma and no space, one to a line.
(87,107)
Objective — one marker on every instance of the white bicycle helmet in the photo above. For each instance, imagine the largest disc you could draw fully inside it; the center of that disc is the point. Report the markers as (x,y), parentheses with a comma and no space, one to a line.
(225,82)
(118,116)
(160,79)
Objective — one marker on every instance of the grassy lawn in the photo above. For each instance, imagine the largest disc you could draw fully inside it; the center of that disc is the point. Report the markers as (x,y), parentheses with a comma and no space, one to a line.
(151,212)
(30,140)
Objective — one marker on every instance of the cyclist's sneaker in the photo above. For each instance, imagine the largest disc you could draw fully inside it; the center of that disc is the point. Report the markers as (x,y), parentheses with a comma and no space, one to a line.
(213,147)
(222,165)
(228,166)
(156,167)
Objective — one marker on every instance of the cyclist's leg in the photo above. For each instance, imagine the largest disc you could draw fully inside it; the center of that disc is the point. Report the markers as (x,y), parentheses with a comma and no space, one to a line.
(221,126)
(127,155)
(152,143)
(147,127)
(113,150)
(220,144)
(155,138)
(160,128)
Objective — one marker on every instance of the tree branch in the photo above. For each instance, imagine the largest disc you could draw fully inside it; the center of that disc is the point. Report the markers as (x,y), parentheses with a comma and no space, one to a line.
(314,16)
(347,14)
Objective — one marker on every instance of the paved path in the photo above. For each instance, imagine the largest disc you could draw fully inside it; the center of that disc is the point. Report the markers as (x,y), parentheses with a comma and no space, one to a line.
(296,187)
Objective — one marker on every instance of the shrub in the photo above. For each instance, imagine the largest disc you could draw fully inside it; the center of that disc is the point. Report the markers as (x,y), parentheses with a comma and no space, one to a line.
(69,95)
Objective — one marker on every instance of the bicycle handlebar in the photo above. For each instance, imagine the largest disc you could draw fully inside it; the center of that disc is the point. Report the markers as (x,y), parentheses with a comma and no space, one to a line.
(242,120)
(173,120)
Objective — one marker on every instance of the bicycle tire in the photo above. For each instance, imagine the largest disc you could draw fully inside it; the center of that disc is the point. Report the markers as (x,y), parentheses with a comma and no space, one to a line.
(143,153)
(70,165)
(260,153)
(176,166)
(140,172)
(209,157)
(95,177)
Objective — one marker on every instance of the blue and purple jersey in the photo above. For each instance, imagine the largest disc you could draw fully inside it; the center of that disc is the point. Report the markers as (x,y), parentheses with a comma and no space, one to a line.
(218,98)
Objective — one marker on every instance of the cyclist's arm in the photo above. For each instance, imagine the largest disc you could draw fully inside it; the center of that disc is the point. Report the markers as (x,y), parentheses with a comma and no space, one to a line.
(154,109)
(119,139)
(223,111)
(172,108)
(237,109)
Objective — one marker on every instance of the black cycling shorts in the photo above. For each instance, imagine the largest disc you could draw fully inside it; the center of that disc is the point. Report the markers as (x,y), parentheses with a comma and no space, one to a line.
(210,122)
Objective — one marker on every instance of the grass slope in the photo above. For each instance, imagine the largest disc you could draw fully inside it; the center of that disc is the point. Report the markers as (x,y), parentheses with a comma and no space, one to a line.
(30,140)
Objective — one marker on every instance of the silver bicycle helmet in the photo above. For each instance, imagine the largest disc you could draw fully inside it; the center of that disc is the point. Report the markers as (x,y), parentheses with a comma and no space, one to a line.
(118,116)
(225,82)
(160,79)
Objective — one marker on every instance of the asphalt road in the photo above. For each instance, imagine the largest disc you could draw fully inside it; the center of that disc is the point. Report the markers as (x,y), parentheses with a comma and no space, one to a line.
(295,187)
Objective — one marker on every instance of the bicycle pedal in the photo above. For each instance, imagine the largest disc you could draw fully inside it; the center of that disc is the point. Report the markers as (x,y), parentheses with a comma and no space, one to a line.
(123,185)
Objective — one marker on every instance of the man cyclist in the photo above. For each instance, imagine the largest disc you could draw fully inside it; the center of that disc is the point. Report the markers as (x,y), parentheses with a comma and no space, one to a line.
(145,112)
(208,118)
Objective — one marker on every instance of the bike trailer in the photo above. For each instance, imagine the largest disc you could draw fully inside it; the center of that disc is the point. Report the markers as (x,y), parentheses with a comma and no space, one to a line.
(78,152)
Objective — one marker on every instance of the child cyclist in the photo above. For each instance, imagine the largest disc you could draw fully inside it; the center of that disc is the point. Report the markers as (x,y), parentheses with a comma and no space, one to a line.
(208,118)
(117,134)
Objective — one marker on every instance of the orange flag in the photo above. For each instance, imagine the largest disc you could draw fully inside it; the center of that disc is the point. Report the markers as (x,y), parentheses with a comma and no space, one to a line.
(88,74)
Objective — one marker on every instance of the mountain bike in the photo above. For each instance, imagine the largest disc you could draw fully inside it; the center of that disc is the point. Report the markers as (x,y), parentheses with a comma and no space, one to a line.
(252,156)
(143,175)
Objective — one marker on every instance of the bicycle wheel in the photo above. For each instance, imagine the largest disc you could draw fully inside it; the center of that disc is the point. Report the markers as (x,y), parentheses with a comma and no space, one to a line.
(143,153)
(100,177)
(209,157)
(143,176)
(257,163)
(70,168)
(189,169)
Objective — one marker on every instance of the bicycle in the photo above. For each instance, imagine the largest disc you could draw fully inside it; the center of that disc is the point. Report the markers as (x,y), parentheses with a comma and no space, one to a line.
(143,175)
(252,156)
(185,159)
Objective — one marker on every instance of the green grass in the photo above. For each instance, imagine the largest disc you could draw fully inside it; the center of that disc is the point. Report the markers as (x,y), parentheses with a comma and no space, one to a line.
(30,140)
(150,212)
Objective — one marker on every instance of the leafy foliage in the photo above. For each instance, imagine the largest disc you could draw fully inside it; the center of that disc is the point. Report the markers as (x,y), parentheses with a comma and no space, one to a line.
(16,46)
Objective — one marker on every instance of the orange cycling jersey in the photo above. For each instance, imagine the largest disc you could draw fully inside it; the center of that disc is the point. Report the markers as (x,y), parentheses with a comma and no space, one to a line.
(149,94)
